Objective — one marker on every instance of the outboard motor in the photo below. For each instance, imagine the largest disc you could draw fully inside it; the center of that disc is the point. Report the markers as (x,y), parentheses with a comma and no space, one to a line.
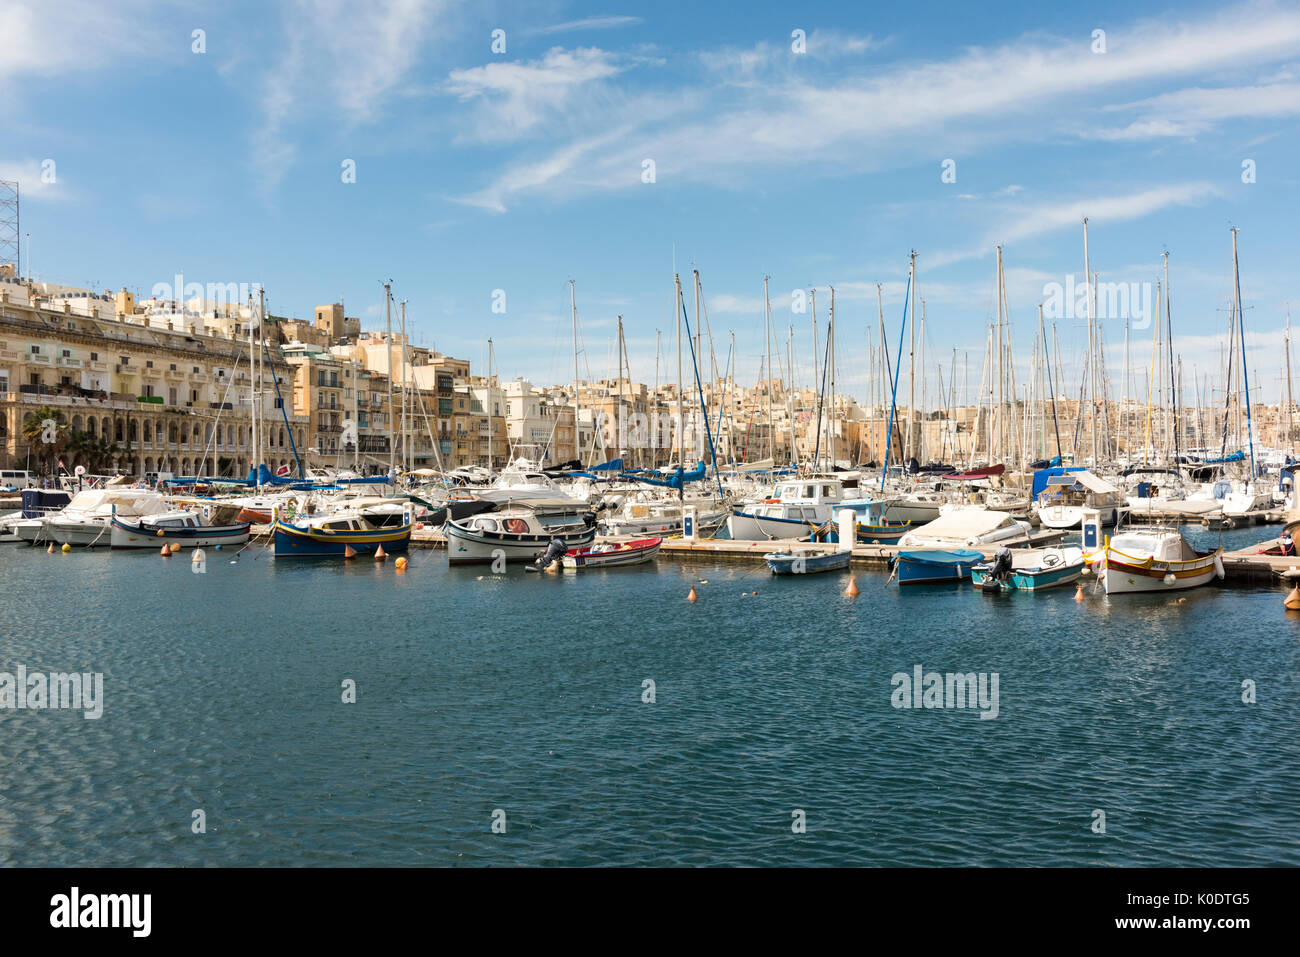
(999,571)
(554,552)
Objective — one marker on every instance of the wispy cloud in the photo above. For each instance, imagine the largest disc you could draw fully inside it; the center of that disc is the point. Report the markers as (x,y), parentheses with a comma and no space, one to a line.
(587,23)
(863,117)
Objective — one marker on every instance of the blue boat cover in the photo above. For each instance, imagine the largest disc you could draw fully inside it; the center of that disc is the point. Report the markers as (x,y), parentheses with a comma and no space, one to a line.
(957,556)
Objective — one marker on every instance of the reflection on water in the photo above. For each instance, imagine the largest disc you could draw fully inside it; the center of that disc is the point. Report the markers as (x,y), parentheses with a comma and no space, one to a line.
(476,692)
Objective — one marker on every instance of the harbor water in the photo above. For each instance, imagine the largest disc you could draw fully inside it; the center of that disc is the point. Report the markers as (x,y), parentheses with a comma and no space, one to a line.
(601,718)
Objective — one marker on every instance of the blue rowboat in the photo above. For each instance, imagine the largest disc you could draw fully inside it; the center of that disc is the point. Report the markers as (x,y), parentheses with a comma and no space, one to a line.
(805,563)
(1031,570)
(924,566)
(338,537)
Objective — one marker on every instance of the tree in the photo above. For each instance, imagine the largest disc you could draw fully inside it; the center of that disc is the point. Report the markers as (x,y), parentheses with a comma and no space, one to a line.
(36,432)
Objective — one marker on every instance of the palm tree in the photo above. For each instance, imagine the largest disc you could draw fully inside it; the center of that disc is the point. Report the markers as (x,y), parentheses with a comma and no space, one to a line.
(98,452)
(34,431)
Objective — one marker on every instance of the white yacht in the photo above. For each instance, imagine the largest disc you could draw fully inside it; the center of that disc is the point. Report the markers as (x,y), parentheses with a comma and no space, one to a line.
(793,511)
(1062,502)
(88,518)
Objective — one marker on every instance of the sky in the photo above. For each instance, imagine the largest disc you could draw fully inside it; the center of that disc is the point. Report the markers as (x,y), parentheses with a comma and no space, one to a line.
(488,153)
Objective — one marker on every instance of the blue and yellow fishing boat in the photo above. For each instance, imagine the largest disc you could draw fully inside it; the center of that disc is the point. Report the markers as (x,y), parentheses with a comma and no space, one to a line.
(339,535)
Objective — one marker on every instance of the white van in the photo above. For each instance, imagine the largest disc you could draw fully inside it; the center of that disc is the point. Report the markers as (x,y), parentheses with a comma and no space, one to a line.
(13,480)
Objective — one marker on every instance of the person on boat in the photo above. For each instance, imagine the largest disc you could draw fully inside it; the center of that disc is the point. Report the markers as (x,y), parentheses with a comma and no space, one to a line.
(1286,544)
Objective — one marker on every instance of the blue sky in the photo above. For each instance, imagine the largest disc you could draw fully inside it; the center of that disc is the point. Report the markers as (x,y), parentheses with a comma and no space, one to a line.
(478,171)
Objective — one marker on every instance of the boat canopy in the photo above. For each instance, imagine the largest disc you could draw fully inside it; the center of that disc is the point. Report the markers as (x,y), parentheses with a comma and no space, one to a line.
(961,525)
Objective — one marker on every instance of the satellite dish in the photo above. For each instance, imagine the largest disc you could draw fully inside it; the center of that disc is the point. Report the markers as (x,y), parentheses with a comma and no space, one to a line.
(79,470)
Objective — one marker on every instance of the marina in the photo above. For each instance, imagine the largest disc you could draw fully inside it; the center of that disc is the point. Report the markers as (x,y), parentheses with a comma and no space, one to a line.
(552,437)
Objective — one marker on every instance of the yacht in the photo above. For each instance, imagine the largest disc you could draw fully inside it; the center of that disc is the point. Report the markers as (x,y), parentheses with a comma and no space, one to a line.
(795,509)
(88,518)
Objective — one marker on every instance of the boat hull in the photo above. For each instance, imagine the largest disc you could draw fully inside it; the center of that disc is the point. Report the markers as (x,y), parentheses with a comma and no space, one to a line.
(748,527)
(934,567)
(1121,574)
(1026,580)
(784,563)
(131,535)
(630,553)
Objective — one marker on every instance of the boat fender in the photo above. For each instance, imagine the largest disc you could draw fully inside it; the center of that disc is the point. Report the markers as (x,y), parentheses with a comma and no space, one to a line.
(1218,567)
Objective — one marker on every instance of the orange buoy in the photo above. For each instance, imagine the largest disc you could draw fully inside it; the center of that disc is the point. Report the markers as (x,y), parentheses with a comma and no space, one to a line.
(165,552)
(692,596)
(1292,601)
(852,590)
(176,547)
(1078,593)
(380,554)
(160,533)
(400,564)
(349,551)
(50,550)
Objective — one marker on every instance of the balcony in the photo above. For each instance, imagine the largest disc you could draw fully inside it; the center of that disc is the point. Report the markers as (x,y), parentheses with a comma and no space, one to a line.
(97,365)
(69,362)
(174,374)
(39,358)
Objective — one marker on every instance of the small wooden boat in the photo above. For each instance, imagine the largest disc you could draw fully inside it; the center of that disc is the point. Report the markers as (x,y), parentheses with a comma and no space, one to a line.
(612,554)
(1030,569)
(887,533)
(519,533)
(805,563)
(925,566)
(1153,558)
(338,535)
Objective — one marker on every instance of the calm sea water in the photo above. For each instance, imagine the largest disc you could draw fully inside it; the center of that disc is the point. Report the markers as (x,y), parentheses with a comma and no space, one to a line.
(523,693)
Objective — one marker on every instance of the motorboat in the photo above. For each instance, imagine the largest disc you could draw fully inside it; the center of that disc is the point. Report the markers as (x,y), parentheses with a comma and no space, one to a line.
(37,503)
(519,532)
(934,565)
(1029,569)
(88,518)
(182,527)
(795,510)
(806,563)
(612,554)
(1061,502)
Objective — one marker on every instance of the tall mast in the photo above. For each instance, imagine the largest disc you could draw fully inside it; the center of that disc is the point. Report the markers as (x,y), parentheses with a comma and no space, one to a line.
(407,461)
(767,333)
(388,323)
(1290,407)
(491,391)
(681,424)
(577,431)
(1241,335)
(999,451)
(830,419)
(1092,355)
(911,359)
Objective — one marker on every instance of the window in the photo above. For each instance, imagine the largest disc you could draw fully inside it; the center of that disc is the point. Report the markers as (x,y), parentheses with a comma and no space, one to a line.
(148,364)
(94,357)
(36,350)
(67,353)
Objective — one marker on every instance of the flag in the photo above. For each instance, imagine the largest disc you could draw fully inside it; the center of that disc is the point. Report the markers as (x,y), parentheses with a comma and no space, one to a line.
(282,470)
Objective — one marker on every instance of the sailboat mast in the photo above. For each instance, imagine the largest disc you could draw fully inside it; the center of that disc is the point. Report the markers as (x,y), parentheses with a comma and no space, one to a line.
(388,329)
(1241,335)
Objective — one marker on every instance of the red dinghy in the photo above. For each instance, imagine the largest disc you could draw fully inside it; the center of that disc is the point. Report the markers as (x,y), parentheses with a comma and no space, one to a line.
(975,476)
(611,554)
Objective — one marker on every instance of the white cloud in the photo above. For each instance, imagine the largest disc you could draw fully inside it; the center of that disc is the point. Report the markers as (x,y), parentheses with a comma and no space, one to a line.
(874,116)
(588,23)
(517,97)
(27,174)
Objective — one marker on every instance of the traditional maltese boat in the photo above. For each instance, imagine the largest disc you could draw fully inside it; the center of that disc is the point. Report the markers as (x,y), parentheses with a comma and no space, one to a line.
(338,535)
(931,565)
(612,554)
(1153,558)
